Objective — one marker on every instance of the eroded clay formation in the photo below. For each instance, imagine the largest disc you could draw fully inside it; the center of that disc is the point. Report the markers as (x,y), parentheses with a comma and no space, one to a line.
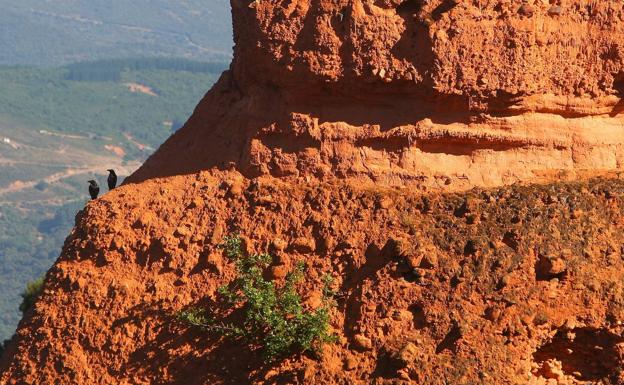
(442,94)
(316,147)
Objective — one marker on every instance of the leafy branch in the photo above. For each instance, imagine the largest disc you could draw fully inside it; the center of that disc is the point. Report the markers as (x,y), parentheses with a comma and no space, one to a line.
(275,318)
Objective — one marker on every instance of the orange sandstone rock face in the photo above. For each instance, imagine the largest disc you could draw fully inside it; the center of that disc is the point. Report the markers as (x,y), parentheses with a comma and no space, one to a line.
(519,285)
(330,141)
(438,94)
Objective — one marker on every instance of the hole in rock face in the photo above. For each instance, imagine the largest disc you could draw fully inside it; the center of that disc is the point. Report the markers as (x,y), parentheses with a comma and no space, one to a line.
(420,319)
(547,268)
(387,366)
(470,248)
(586,354)
(409,7)
(619,85)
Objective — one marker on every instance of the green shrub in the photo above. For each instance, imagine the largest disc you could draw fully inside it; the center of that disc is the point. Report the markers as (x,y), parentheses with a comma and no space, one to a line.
(30,294)
(275,318)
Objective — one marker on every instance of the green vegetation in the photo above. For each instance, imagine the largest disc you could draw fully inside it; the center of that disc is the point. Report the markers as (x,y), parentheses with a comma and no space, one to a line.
(66,128)
(51,33)
(3,346)
(108,112)
(275,318)
(71,122)
(112,70)
(30,294)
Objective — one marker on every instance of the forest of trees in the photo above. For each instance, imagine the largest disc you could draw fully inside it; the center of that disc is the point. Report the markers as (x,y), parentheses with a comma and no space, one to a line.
(59,32)
(98,113)
(111,70)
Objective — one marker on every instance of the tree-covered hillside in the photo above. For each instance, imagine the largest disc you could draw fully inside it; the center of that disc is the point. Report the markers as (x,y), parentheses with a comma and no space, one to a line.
(136,111)
(57,132)
(45,33)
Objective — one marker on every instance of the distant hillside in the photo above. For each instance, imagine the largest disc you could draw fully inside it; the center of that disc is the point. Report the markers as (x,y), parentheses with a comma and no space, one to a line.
(133,104)
(34,32)
(56,133)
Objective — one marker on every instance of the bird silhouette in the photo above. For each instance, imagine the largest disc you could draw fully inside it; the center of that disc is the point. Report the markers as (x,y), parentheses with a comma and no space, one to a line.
(112,179)
(94,189)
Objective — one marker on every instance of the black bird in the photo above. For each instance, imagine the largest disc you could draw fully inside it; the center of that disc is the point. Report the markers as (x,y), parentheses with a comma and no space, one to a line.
(112,179)
(94,189)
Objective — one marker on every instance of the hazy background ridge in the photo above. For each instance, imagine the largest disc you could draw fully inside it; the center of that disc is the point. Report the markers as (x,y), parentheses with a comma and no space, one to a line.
(54,32)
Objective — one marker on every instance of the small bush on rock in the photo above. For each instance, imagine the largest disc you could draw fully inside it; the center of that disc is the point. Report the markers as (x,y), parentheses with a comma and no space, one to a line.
(29,297)
(275,318)
(30,294)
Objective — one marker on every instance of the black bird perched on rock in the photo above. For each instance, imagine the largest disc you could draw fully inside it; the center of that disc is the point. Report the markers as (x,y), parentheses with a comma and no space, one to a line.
(112,179)
(94,189)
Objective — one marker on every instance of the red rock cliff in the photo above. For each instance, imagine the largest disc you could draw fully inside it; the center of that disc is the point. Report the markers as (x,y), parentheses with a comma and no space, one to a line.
(433,94)
(334,140)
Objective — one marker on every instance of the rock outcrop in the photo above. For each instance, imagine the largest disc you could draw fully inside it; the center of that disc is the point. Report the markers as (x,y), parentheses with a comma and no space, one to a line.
(346,135)
(435,94)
